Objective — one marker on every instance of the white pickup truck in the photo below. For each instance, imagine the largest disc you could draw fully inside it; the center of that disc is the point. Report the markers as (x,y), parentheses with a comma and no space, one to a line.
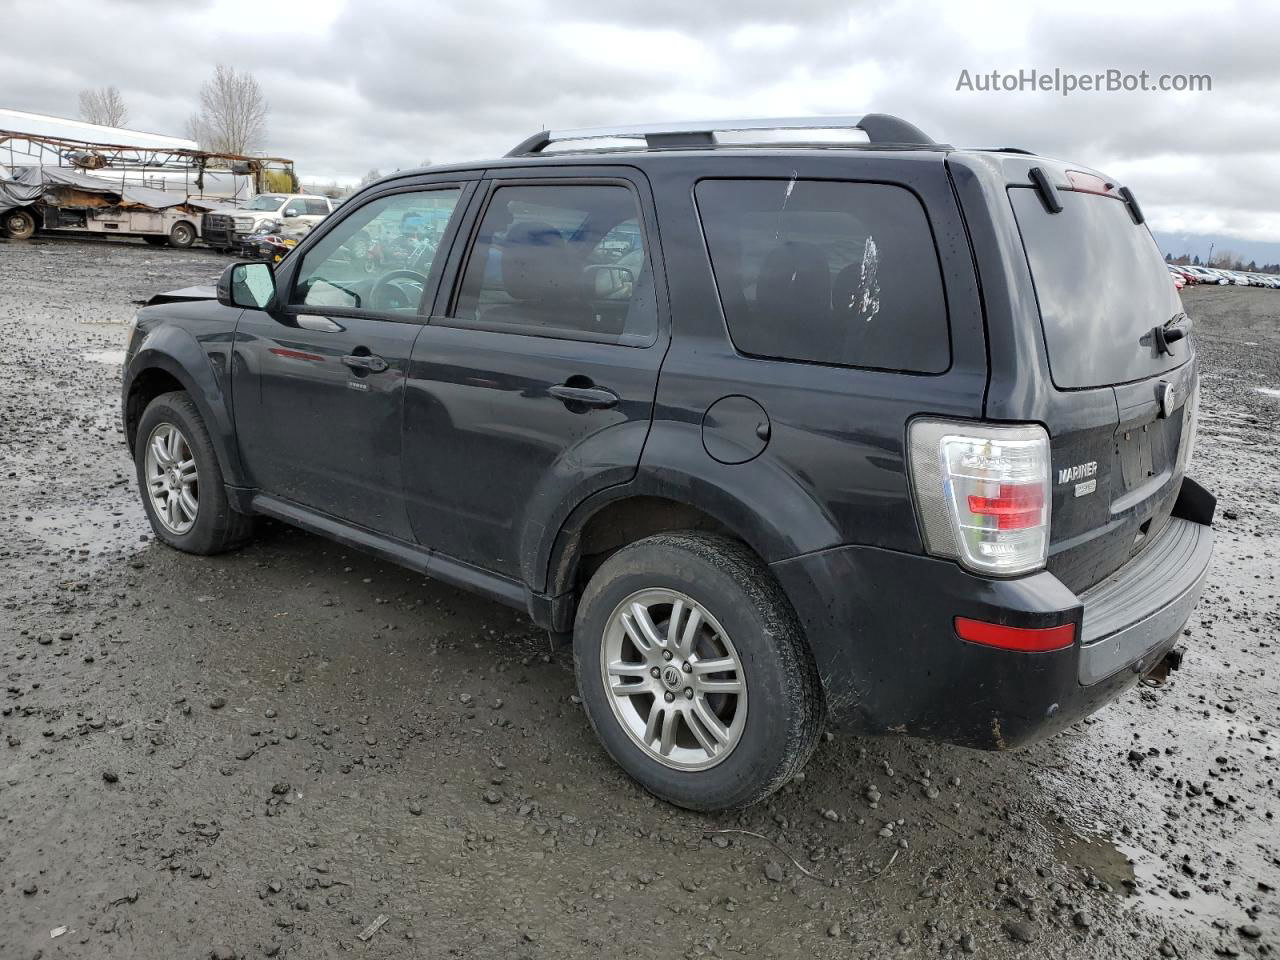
(227,229)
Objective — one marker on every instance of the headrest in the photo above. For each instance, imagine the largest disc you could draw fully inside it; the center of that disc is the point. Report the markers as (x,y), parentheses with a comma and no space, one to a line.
(794,284)
(535,262)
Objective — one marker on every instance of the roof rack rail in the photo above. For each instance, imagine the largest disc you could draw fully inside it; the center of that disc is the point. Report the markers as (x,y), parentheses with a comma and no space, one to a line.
(880,128)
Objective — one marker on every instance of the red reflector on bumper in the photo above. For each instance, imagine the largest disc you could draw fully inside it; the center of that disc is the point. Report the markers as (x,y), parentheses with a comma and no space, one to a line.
(1021,639)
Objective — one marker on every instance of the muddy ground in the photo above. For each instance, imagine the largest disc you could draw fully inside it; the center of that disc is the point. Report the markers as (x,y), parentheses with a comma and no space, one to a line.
(262,753)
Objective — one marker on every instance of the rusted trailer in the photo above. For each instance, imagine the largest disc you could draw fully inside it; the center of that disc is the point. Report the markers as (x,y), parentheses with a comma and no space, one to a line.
(159,193)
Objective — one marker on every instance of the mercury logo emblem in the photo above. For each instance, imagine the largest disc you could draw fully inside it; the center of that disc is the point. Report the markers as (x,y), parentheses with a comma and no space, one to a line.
(1167,396)
(671,676)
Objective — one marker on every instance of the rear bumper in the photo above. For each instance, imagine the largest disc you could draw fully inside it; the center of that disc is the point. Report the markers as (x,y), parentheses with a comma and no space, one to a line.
(881,627)
(1147,601)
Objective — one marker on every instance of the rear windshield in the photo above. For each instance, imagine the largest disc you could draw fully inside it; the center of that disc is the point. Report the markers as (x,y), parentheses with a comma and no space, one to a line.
(827,272)
(1102,287)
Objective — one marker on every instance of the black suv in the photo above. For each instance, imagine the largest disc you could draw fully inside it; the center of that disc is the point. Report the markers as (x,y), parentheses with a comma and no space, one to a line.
(888,436)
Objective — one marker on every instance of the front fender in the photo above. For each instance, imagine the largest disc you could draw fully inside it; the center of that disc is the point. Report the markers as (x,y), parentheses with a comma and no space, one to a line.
(202,366)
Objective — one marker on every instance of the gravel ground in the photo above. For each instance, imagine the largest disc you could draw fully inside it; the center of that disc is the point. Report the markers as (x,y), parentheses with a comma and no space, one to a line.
(267,752)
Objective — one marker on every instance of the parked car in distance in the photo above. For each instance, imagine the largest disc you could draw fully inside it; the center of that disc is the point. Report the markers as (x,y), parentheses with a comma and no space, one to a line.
(287,213)
(1205,275)
(1179,280)
(761,429)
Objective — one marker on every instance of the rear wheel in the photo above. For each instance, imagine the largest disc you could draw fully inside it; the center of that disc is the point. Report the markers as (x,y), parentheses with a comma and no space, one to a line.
(19,224)
(694,672)
(182,235)
(181,481)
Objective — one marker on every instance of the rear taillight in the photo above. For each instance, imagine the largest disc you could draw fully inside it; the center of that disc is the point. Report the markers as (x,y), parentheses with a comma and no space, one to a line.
(982,491)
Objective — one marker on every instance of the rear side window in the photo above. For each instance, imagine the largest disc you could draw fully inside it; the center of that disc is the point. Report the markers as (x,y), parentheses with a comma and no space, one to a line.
(1102,287)
(317,208)
(827,272)
(561,260)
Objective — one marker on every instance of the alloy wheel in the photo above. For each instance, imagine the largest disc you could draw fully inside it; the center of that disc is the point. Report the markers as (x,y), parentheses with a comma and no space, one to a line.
(173,485)
(673,679)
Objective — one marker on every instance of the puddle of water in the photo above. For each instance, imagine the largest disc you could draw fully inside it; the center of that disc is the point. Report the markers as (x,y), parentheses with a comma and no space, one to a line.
(105,528)
(1135,872)
(105,356)
(1091,848)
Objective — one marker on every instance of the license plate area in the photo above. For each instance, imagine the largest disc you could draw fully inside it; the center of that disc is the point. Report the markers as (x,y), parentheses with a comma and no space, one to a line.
(1133,446)
(1145,450)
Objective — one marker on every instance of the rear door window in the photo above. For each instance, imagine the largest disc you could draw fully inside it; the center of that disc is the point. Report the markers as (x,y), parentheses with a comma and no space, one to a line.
(1102,287)
(827,272)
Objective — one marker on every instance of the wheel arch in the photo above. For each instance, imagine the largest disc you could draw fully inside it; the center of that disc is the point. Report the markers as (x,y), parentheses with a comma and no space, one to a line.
(623,514)
(172,360)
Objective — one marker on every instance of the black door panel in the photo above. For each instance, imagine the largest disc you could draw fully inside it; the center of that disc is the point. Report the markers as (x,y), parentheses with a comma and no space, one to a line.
(319,384)
(489,448)
(533,386)
(317,431)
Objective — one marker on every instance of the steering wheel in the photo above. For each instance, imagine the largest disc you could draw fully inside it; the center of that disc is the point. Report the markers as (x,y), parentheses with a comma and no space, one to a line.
(381,287)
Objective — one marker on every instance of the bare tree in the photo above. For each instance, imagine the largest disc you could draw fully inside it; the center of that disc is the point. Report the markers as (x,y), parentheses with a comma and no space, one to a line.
(103,105)
(372,175)
(1227,260)
(233,113)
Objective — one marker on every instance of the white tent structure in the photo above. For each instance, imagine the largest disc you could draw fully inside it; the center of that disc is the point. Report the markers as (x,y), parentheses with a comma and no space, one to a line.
(122,156)
(60,128)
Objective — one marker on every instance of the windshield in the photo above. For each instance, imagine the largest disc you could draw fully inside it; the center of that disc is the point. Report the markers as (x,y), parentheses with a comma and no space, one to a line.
(1102,287)
(264,201)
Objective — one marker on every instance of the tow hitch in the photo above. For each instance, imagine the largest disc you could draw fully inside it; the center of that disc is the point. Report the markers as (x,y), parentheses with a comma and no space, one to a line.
(1157,675)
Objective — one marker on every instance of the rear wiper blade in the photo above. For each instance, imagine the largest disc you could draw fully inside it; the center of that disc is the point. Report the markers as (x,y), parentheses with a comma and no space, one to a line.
(1171,331)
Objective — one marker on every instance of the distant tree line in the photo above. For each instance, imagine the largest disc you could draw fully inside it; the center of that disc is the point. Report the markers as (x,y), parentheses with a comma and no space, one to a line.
(1223,260)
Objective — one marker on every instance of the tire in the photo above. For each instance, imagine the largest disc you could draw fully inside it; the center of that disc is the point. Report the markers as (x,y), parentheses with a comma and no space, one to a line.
(215,526)
(182,235)
(19,224)
(155,241)
(743,610)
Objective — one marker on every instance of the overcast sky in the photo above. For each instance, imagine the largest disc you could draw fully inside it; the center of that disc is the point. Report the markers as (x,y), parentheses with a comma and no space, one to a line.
(359,84)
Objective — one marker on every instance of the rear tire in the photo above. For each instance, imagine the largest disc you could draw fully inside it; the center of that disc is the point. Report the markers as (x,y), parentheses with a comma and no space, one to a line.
(19,224)
(715,758)
(175,459)
(182,235)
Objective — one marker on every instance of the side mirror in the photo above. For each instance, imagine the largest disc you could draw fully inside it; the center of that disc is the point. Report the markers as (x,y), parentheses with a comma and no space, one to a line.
(292,212)
(251,286)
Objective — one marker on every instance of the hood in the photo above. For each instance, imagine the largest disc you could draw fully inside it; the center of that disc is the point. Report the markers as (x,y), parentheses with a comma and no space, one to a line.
(185,295)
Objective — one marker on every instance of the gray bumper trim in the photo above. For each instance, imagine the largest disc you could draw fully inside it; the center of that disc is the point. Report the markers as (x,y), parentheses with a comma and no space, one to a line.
(1145,602)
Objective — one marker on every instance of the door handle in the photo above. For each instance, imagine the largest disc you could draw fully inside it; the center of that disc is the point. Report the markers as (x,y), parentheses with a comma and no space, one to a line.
(584,396)
(370,362)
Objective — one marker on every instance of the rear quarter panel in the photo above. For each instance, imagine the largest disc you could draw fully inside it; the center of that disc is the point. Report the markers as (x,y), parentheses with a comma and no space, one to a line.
(834,468)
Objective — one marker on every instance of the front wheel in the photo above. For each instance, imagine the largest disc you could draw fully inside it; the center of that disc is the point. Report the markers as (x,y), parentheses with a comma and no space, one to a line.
(694,672)
(181,481)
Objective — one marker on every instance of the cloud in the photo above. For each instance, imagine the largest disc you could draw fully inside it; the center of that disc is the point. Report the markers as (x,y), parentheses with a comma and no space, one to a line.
(359,84)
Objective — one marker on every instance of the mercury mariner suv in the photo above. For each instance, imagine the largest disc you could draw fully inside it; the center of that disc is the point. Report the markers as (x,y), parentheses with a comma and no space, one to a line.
(884,436)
